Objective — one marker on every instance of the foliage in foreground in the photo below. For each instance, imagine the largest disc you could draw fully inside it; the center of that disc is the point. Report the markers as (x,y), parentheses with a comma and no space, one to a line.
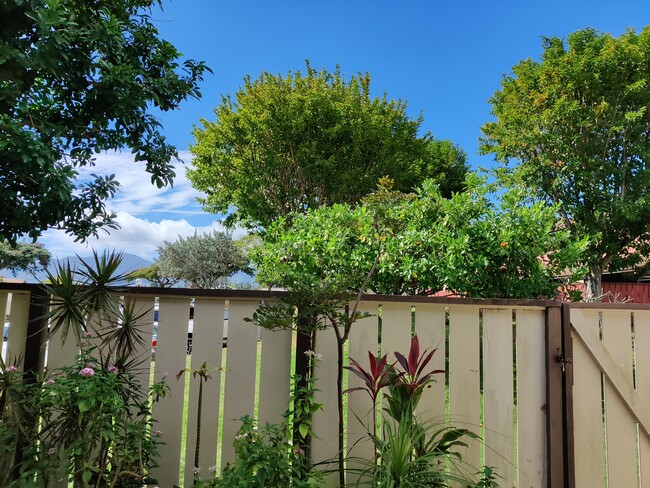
(89,423)
(76,80)
(410,452)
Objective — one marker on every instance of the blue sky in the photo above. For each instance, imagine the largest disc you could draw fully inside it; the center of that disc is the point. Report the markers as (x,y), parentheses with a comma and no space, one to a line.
(445,58)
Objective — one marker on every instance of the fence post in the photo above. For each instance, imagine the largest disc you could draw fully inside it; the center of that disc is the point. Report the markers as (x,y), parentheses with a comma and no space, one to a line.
(555,441)
(567,347)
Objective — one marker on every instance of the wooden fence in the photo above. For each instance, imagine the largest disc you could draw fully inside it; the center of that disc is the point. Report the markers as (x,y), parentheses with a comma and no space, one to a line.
(507,378)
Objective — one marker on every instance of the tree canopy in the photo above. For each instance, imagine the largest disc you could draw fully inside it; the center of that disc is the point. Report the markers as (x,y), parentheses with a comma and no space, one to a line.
(285,144)
(202,261)
(77,79)
(578,124)
(23,257)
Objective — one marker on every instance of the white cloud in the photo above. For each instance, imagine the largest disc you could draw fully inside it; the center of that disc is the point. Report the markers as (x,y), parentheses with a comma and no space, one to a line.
(137,195)
(136,236)
(147,215)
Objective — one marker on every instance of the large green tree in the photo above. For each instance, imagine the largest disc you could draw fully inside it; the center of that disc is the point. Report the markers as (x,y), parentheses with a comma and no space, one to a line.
(578,123)
(202,261)
(77,78)
(285,144)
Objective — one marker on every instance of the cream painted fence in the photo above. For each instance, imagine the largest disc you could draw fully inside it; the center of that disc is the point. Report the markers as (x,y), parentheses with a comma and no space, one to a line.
(494,353)
(611,395)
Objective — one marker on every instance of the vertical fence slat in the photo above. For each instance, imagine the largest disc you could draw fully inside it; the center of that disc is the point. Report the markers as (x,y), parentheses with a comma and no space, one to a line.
(498,401)
(207,346)
(464,394)
(395,328)
(143,305)
(587,413)
(171,345)
(642,344)
(18,319)
(325,422)
(241,366)
(531,399)
(4,295)
(363,338)
(430,328)
(621,428)
(275,375)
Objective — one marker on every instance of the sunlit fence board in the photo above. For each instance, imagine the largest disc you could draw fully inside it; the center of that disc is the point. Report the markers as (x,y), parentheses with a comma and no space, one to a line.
(621,427)
(18,317)
(363,339)
(642,344)
(143,306)
(464,394)
(498,396)
(275,375)
(325,445)
(170,358)
(241,366)
(531,399)
(587,412)
(430,328)
(207,347)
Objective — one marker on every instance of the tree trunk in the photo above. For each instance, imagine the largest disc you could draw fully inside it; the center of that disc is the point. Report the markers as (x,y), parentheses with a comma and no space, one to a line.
(594,283)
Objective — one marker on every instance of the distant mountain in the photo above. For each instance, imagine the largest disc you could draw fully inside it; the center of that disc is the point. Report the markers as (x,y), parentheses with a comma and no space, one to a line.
(130,262)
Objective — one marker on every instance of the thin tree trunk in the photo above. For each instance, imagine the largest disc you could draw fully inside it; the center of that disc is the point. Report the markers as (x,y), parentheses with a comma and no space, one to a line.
(339,395)
(594,283)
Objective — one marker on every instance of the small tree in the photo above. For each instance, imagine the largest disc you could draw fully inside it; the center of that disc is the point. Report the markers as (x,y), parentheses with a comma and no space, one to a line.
(29,257)
(153,275)
(578,123)
(202,260)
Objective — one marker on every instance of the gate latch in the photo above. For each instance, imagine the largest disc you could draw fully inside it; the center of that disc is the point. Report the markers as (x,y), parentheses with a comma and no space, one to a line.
(563,360)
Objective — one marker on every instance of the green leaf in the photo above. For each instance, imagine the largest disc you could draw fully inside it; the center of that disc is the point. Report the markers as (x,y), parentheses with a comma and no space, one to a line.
(303,429)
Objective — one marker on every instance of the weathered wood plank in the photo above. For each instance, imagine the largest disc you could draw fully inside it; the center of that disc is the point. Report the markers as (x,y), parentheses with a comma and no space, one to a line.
(173,316)
(531,399)
(241,366)
(621,426)
(464,394)
(363,338)
(587,413)
(498,395)
(207,347)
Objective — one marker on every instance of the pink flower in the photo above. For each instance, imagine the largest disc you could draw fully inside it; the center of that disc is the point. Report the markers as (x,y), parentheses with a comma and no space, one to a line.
(50,382)
(87,335)
(87,372)
(157,433)
(11,369)
(112,369)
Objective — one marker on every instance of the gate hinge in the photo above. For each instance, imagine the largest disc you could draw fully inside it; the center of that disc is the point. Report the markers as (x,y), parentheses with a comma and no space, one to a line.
(563,360)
